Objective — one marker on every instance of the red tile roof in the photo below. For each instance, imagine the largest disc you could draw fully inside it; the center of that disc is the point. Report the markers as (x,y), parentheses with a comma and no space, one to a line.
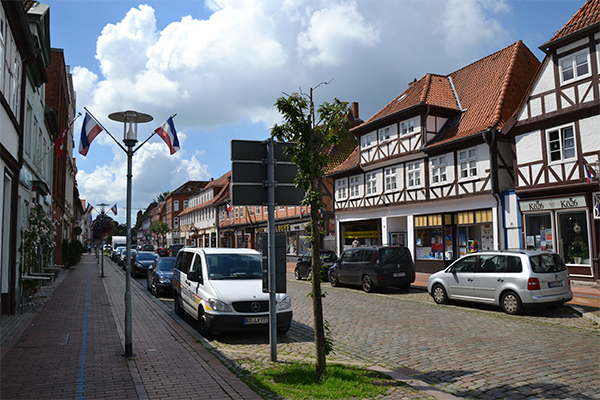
(350,163)
(587,15)
(489,91)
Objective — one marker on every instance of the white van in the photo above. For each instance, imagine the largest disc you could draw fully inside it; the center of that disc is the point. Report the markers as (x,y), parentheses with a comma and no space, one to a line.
(222,289)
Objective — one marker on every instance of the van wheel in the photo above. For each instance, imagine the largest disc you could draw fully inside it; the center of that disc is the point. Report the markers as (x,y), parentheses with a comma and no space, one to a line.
(203,327)
(367,284)
(511,303)
(333,279)
(297,274)
(284,329)
(439,294)
(178,308)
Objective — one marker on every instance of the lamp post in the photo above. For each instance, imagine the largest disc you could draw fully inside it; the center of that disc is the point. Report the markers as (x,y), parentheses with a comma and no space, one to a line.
(130,120)
(103,213)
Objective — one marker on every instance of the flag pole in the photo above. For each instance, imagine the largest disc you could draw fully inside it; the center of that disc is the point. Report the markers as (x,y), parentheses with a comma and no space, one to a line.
(59,136)
(106,130)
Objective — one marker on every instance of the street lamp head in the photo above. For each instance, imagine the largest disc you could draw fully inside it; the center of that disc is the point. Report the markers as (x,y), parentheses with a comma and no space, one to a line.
(130,119)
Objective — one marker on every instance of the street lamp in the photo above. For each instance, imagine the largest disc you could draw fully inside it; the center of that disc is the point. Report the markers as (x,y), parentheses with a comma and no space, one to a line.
(130,120)
(103,213)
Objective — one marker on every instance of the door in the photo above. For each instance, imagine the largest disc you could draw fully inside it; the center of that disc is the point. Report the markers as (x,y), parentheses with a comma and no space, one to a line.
(358,260)
(489,277)
(460,282)
(190,289)
(344,265)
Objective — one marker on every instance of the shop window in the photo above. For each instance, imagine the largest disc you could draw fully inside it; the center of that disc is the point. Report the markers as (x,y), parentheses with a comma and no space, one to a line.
(561,144)
(572,237)
(469,238)
(430,241)
(538,232)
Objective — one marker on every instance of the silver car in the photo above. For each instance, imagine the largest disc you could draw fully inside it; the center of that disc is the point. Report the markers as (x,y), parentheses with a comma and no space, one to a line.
(511,279)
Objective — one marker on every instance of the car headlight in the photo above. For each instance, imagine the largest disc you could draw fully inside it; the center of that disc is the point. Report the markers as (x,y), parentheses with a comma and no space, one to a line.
(164,280)
(218,305)
(285,303)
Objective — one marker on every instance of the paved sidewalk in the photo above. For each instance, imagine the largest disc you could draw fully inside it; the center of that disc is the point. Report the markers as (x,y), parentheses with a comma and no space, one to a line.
(72,347)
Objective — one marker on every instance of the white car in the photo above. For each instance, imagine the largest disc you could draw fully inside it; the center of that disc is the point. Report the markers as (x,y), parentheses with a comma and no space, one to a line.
(510,279)
(222,289)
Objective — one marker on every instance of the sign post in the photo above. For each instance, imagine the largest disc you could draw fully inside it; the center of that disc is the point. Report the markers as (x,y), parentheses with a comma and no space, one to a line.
(262,174)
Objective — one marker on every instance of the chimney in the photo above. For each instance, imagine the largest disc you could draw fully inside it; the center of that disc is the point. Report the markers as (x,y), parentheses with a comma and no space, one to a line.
(355,110)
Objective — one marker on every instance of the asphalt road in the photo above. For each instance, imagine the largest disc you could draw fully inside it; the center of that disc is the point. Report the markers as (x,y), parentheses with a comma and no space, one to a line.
(468,351)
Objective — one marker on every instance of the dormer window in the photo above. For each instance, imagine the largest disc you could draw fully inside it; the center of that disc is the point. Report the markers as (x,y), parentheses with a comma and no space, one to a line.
(574,67)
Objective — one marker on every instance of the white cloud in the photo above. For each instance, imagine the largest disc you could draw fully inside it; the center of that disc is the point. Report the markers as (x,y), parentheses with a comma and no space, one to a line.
(222,73)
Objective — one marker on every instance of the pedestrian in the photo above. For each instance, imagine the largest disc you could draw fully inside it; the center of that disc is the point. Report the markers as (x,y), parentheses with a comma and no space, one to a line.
(356,243)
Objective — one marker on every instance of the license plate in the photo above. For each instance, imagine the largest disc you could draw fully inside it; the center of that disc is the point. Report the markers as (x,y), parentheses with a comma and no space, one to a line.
(555,284)
(399,274)
(256,320)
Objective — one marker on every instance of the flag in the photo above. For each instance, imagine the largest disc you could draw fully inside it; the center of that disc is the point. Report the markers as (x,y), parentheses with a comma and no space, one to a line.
(588,173)
(114,209)
(302,213)
(89,130)
(89,208)
(228,209)
(168,133)
(59,145)
(320,213)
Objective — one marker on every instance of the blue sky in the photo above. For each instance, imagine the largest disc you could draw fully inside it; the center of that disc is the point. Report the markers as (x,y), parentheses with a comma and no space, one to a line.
(220,65)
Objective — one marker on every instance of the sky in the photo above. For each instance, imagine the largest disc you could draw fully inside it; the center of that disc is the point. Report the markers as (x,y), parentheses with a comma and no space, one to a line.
(220,66)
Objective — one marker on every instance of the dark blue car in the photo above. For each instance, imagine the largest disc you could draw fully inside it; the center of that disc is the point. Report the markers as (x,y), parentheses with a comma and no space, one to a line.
(159,280)
(141,261)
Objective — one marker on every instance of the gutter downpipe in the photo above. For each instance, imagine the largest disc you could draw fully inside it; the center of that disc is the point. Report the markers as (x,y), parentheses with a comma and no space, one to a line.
(492,143)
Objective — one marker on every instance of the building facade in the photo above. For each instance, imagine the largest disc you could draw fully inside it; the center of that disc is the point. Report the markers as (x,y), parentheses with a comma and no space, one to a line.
(557,142)
(431,165)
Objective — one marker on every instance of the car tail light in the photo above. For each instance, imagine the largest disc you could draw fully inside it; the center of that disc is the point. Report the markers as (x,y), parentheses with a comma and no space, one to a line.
(377,258)
(533,284)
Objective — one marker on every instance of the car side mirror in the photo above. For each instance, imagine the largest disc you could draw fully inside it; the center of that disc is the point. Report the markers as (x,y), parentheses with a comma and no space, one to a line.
(194,276)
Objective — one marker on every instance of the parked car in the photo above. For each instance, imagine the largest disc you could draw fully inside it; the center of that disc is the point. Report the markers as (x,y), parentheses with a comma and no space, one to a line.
(114,255)
(511,279)
(162,252)
(373,267)
(304,268)
(140,261)
(159,279)
(174,249)
(123,256)
(222,289)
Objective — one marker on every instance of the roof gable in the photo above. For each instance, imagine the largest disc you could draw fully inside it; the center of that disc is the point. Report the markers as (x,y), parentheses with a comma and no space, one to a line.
(586,16)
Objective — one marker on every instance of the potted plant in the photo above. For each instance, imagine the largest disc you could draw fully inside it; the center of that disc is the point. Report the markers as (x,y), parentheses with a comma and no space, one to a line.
(577,250)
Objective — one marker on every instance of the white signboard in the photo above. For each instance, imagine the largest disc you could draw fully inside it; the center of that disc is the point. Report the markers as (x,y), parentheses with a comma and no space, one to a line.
(560,203)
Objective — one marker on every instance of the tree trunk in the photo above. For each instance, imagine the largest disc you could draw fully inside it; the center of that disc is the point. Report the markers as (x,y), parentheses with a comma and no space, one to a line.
(316,291)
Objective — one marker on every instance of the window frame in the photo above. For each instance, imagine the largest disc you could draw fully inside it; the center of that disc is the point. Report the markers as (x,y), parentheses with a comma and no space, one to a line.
(366,141)
(370,183)
(439,170)
(574,67)
(354,187)
(470,161)
(384,134)
(413,174)
(561,141)
(390,175)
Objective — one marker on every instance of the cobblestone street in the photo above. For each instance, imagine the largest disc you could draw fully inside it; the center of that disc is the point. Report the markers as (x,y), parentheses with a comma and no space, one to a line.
(464,350)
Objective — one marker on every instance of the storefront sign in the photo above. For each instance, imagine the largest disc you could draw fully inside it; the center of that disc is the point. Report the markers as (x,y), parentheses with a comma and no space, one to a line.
(560,203)
(361,234)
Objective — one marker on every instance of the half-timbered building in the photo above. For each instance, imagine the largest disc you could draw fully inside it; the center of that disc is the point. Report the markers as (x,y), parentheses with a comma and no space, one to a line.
(431,165)
(557,142)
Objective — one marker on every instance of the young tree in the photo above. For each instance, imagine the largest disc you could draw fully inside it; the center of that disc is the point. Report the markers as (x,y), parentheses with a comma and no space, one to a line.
(313,136)
(159,228)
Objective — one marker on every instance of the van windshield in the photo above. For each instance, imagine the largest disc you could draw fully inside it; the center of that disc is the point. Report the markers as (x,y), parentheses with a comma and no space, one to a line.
(234,266)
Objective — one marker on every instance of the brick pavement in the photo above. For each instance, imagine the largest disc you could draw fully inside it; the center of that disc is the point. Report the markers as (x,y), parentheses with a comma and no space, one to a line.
(72,347)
